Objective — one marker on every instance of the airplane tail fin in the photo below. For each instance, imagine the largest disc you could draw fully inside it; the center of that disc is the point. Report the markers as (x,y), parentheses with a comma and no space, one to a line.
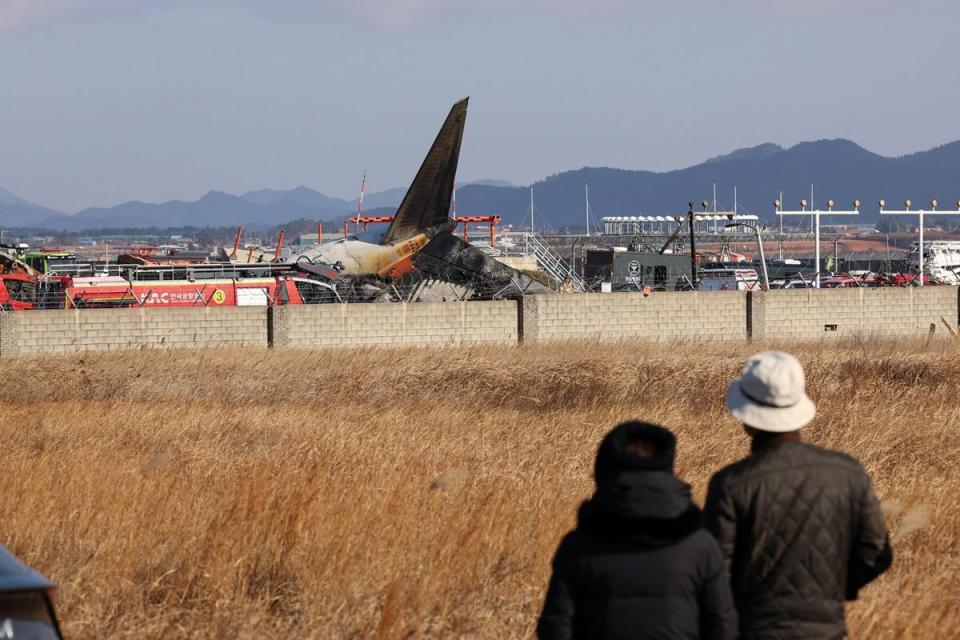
(427,202)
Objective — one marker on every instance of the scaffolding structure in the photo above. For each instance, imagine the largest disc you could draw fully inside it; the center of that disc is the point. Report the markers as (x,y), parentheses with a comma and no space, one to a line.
(706,224)
(465,221)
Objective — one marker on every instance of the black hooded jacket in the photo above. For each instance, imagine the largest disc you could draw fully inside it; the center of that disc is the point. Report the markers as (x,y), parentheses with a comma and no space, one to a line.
(638,565)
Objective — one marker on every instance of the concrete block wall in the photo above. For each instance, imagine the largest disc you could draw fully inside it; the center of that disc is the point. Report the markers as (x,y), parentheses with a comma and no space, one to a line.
(422,324)
(9,333)
(54,331)
(803,314)
(662,316)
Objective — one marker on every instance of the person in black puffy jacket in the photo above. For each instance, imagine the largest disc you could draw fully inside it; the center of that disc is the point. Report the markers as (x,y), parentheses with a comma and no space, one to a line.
(638,565)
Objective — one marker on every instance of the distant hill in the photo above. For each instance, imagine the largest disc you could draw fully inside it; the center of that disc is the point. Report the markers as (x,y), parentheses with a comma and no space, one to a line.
(214,209)
(378,199)
(10,198)
(299,197)
(750,153)
(838,169)
(490,183)
(17,212)
(391,197)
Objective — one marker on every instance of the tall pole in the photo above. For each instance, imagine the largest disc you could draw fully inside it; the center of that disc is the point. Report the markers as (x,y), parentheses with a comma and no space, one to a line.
(781,227)
(363,186)
(532,228)
(920,248)
(763,258)
(889,268)
(734,198)
(586,193)
(812,207)
(693,247)
(816,240)
(715,197)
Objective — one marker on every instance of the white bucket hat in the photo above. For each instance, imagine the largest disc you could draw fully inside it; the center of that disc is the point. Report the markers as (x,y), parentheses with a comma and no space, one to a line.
(771,395)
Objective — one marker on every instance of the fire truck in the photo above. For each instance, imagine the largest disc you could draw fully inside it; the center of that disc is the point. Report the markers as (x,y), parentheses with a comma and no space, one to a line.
(20,292)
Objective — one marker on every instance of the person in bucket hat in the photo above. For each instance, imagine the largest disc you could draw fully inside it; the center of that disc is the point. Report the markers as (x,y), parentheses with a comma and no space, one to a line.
(799,525)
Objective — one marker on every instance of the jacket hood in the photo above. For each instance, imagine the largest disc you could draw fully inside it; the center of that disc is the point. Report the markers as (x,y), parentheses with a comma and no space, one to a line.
(652,508)
(613,456)
(637,496)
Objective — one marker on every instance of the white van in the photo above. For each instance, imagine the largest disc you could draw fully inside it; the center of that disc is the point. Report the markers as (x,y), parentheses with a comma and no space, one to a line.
(729,280)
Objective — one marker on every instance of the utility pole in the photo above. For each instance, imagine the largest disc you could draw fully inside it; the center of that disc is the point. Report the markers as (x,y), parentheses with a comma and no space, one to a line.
(693,246)
(532,228)
(586,194)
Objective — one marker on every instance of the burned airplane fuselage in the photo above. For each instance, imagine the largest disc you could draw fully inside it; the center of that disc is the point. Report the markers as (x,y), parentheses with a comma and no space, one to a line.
(368,254)
(423,214)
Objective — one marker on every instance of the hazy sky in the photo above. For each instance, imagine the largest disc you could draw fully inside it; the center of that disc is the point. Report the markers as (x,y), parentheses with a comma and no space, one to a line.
(103,101)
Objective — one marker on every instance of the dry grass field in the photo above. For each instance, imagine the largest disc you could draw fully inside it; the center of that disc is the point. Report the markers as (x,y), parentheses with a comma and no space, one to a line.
(416,493)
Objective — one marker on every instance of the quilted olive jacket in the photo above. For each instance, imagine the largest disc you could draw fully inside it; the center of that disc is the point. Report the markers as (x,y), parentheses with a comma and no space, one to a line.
(801,531)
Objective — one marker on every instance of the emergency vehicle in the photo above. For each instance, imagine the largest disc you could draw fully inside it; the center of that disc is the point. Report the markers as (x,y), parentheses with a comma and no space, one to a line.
(19,292)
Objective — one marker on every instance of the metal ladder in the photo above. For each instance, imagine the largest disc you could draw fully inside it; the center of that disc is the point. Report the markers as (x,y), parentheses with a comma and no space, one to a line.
(551,262)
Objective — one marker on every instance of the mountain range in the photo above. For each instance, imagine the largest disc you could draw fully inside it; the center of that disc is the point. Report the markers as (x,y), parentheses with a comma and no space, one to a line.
(838,169)
(256,209)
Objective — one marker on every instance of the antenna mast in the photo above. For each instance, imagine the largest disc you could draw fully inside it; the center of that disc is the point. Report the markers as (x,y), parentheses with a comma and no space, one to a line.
(532,228)
(586,192)
(363,186)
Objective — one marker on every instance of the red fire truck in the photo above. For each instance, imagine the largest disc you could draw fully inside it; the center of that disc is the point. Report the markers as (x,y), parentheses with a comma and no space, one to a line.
(21,292)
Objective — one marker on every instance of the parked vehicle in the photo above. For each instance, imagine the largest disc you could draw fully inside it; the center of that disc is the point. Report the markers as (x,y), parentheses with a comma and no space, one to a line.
(733,279)
(790,284)
(19,292)
(26,601)
(840,281)
(51,262)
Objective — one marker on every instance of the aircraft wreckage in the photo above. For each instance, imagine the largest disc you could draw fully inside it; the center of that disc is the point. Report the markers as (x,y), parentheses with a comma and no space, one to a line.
(418,245)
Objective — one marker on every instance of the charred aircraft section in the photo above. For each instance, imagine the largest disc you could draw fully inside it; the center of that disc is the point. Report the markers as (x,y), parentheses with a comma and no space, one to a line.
(427,201)
(449,258)
(418,245)
(423,213)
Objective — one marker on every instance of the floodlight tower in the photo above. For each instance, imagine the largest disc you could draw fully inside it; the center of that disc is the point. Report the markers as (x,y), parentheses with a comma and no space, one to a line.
(815,214)
(920,213)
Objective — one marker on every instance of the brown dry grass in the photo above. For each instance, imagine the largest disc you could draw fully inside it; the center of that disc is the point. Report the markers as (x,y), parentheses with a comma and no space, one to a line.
(415,493)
